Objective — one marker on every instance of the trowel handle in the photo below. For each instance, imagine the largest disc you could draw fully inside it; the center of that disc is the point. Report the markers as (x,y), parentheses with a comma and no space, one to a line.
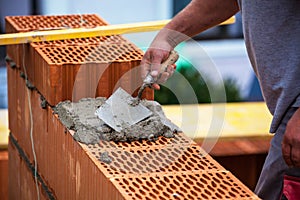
(173,57)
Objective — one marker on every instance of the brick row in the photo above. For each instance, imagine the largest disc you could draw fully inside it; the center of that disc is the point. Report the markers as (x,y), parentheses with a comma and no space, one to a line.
(89,71)
(76,68)
(15,24)
(163,159)
(61,161)
(73,69)
(21,178)
(190,185)
(4,174)
(44,22)
(75,171)
(97,40)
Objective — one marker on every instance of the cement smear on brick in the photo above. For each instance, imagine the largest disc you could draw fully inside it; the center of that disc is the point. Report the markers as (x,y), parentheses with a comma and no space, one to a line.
(89,129)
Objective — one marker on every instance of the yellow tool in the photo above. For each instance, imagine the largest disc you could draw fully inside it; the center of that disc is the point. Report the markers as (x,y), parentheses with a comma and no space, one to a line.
(50,35)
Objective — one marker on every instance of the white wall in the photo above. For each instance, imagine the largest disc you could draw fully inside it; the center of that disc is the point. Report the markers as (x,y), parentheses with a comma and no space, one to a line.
(13,7)
(113,11)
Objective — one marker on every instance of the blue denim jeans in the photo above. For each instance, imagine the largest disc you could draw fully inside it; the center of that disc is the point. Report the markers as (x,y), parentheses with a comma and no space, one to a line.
(270,183)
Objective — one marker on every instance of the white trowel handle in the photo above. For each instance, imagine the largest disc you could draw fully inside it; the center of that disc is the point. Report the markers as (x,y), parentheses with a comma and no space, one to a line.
(173,57)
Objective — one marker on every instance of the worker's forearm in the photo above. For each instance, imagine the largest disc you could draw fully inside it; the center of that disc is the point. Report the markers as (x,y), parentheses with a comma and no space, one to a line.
(198,16)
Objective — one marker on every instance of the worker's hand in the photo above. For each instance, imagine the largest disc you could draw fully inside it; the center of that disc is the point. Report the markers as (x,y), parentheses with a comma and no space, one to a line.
(158,52)
(291,141)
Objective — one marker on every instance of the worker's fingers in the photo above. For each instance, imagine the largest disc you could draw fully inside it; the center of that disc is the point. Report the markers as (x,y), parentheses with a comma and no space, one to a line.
(291,141)
(152,63)
(155,69)
(158,57)
(286,153)
(295,156)
(163,77)
(171,69)
(152,60)
(292,147)
(291,155)
(156,86)
(145,65)
(174,66)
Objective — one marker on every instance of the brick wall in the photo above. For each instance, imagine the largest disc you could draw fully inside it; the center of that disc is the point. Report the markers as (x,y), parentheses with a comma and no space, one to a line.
(66,169)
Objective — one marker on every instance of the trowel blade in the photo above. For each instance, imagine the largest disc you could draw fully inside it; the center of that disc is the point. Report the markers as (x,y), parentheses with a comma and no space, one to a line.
(117,111)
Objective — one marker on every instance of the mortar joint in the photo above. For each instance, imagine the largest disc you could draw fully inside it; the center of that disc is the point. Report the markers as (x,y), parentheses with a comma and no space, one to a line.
(44,102)
(29,85)
(10,62)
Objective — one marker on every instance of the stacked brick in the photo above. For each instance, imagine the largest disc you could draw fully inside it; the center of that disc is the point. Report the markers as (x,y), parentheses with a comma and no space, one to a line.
(168,168)
(75,68)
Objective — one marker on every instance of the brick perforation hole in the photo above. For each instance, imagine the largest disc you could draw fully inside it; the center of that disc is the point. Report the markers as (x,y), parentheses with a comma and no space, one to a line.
(178,138)
(157,160)
(81,41)
(115,52)
(106,52)
(42,22)
(216,185)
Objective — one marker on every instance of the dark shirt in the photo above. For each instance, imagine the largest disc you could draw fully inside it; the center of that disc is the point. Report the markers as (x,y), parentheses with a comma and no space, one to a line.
(272,36)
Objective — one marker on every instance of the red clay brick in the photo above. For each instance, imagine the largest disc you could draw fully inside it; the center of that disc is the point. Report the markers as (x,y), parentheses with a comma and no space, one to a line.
(4,174)
(179,138)
(20,53)
(19,112)
(166,168)
(60,66)
(81,41)
(44,22)
(15,175)
(81,54)
(21,180)
(190,185)
(155,160)
(73,170)
(45,59)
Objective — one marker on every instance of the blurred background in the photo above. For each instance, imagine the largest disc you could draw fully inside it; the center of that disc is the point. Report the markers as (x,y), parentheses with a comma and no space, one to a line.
(221,46)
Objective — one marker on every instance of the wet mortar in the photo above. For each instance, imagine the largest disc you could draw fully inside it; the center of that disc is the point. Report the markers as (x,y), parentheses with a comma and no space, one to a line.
(89,129)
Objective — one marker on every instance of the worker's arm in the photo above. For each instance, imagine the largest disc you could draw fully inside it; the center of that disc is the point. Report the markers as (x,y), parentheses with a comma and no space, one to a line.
(198,16)
(291,141)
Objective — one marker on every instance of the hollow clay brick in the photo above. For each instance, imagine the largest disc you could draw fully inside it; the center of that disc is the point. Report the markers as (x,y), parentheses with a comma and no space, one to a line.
(81,41)
(162,169)
(12,97)
(50,22)
(104,64)
(13,24)
(15,175)
(21,180)
(4,174)
(73,170)
(155,159)
(115,52)
(179,138)
(190,185)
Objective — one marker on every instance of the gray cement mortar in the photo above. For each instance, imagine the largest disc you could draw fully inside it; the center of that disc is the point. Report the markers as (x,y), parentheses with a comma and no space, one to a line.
(89,129)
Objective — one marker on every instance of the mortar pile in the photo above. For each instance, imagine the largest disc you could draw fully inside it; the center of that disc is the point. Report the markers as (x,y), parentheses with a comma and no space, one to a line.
(89,129)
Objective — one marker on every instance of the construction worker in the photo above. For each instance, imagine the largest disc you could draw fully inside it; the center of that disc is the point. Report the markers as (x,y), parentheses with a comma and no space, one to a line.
(272,36)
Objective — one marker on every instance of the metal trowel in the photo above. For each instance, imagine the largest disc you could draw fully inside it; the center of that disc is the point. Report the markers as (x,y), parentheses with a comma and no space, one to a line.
(149,80)
(122,110)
